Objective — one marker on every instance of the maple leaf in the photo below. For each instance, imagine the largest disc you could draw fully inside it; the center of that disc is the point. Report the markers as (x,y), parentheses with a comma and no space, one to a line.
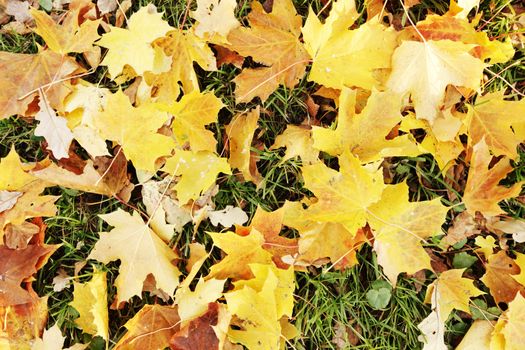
(399,226)
(272,40)
(447,27)
(498,277)
(197,171)
(482,192)
(191,114)
(17,265)
(241,251)
(493,119)
(365,134)
(23,323)
(424,70)
(184,48)
(508,332)
(53,128)
(52,339)
(215,18)
(319,241)
(192,304)
(140,252)
(298,142)
(150,328)
(85,102)
(478,336)
(271,292)
(344,196)
(90,180)
(200,333)
(29,205)
(269,224)
(452,291)
(22,76)
(144,26)
(486,244)
(13,176)
(343,57)
(135,129)
(240,134)
(433,332)
(90,300)
(68,37)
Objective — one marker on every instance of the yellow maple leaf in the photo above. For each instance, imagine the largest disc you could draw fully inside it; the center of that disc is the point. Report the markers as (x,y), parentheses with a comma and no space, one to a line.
(272,40)
(343,196)
(400,226)
(486,244)
(319,241)
(135,129)
(520,261)
(191,114)
(192,304)
(260,303)
(343,57)
(13,176)
(140,252)
(197,170)
(365,134)
(508,333)
(453,292)
(241,251)
(90,300)
(494,119)
(482,192)
(424,69)
(68,36)
(184,48)
(240,134)
(215,18)
(478,336)
(132,46)
(298,142)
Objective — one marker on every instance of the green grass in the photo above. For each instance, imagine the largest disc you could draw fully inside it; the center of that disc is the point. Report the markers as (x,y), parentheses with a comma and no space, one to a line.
(323,298)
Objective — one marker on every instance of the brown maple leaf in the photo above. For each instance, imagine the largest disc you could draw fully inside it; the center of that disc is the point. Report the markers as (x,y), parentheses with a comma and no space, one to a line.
(16,265)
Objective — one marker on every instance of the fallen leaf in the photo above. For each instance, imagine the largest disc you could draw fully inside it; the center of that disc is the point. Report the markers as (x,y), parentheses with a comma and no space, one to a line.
(140,252)
(22,324)
(482,191)
(151,328)
(240,133)
(23,75)
(90,300)
(17,265)
(298,142)
(214,17)
(343,57)
(498,277)
(193,304)
(144,26)
(271,290)
(61,281)
(272,40)
(135,129)
(399,227)
(423,71)
(228,216)
(8,199)
(197,170)
(68,37)
(241,251)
